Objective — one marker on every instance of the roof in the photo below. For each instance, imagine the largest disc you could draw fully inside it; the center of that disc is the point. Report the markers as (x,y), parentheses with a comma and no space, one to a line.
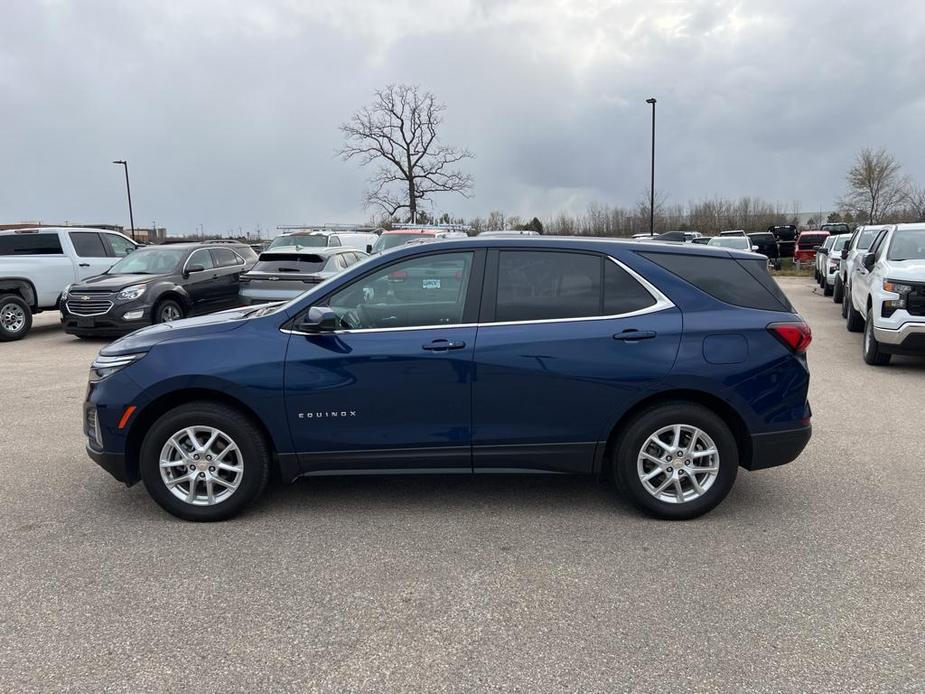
(574,243)
(309,250)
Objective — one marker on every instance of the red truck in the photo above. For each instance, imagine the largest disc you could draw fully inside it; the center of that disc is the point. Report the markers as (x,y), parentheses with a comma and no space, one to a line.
(807,242)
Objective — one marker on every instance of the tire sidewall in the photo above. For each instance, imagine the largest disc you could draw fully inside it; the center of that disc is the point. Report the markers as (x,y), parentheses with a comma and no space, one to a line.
(644,425)
(159,308)
(6,335)
(248,439)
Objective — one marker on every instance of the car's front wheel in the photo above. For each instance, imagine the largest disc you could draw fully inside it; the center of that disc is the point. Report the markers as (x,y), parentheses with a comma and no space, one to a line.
(855,322)
(204,461)
(873,355)
(676,461)
(167,310)
(838,291)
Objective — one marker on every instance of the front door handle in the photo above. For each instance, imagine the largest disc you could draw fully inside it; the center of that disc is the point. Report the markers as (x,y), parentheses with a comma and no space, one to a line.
(83,265)
(633,335)
(443,345)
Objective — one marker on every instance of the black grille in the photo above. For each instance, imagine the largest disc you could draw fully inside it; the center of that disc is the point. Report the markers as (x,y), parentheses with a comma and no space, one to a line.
(915,302)
(87,304)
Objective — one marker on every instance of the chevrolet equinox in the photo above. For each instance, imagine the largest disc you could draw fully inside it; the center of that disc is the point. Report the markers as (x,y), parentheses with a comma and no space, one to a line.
(664,367)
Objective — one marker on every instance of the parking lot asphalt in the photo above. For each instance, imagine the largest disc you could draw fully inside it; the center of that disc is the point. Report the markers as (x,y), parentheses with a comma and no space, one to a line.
(809,577)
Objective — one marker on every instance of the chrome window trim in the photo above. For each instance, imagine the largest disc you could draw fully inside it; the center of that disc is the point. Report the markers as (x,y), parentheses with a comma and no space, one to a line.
(662,302)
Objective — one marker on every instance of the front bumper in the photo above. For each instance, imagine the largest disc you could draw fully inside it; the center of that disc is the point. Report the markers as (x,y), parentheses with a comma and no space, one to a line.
(778,447)
(898,336)
(109,324)
(115,464)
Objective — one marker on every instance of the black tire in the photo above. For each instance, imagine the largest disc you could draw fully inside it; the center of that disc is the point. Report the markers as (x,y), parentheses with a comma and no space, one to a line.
(642,426)
(165,307)
(15,318)
(254,459)
(846,301)
(855,322)
(838,292)
(872,352)
(827,289)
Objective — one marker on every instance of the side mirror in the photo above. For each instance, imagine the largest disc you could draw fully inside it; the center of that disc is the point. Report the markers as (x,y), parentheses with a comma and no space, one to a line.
(190,269)
(369,248)
(754,249)
(319,319)
(869,261)
(818,249)
(844,254)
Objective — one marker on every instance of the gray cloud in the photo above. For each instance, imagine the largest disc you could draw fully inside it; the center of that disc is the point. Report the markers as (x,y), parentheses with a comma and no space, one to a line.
(228,112)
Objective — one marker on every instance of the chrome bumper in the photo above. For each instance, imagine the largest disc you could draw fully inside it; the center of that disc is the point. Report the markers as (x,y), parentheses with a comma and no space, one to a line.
(898,336)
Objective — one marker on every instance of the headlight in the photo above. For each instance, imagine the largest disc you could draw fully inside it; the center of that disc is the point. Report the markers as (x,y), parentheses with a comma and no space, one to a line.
(107,366)
(896,287)
(132,292)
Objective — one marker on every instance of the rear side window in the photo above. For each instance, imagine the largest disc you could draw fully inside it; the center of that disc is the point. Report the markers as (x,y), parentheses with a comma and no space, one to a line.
(225,257)
(543,285)
(88,245)
(622,293)
(30,244)
(743,283)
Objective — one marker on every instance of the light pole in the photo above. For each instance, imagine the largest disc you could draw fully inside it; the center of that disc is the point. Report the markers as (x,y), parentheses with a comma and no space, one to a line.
(652,180)
(128,190)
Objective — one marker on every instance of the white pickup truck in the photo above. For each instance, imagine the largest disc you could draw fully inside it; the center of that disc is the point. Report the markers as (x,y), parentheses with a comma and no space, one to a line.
(36,265)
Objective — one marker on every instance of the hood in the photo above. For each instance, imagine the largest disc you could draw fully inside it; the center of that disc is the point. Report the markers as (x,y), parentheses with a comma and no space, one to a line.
(111,282)
(144,339)
(911,270)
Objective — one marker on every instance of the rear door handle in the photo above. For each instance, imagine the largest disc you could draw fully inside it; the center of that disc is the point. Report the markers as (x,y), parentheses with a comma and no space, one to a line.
(633,335)
(443,345)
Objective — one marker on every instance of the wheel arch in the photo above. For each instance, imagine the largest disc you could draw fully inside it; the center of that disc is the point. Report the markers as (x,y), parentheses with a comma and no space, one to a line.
(21,287)
(166,402)
(712,402)
(172,294)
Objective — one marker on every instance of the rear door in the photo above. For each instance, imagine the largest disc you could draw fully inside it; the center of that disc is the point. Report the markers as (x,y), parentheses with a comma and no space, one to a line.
(228,268)
(93,257)
(567,341)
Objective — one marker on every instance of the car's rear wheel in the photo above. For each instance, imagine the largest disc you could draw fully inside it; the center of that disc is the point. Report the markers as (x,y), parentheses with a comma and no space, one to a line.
(838,291)
(15,318)
(846,301)
(676,461)
(826,289)
(167,310)
(204,461)
(873,355)
(855,322)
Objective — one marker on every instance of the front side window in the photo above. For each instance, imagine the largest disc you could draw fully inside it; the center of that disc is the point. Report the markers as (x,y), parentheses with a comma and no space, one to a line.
(88,244)
(201,258)
(423,291)
(118,245)
(544,285)
(866,237)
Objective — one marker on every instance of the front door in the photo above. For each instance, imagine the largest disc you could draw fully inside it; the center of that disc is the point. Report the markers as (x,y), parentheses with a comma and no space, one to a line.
(567,341)
(391,388)
(202,286)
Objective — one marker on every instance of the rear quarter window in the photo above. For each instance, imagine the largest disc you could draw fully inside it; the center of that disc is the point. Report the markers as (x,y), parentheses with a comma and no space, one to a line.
(30,244)
(733,281)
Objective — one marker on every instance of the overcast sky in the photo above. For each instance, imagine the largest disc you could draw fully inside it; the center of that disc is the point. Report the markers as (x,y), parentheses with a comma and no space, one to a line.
(228,112)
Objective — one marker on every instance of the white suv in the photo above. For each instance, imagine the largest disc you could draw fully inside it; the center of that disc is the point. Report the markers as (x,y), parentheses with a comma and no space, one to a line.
(887,298)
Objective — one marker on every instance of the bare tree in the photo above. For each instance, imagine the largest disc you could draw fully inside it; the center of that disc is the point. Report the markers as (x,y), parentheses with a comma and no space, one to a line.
(875,187)
(914,199)
(398,131)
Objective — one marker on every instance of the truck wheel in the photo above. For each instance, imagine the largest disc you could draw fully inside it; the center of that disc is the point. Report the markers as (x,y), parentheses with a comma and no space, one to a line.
(826,289)
(166,311)
(15,318)
(204,461)
(855,322)
(838,293)
(846,301)
(872,353)
(676,460)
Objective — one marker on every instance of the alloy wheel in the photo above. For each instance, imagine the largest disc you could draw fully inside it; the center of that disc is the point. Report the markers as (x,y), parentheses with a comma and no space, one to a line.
(678,463)
(201,465)
(169,313)
(12,317)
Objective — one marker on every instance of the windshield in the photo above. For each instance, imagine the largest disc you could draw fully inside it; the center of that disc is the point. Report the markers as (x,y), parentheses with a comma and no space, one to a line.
(298,241)
(907,244)
(149,261)
(277,262)
(388,241)
(739,242)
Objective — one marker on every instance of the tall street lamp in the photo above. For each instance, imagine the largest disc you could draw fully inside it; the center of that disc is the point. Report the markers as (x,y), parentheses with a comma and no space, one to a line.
(128,190)
(652,181)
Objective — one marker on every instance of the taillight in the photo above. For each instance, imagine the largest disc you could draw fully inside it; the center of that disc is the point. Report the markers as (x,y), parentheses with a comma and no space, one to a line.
(796,335)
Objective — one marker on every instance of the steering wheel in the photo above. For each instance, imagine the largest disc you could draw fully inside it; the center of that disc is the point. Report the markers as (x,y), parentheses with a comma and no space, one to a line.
(350,320)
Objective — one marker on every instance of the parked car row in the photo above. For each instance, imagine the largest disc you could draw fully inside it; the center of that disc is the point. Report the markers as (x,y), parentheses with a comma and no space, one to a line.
(877,274)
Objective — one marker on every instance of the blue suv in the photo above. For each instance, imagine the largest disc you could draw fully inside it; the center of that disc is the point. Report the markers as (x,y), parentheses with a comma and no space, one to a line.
(662,366)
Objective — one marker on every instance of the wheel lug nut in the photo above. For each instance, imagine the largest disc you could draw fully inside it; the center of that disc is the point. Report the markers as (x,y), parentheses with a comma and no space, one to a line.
(670,470)
(211,468)
(687,462)
(208,457)
(202,474)
(196,457)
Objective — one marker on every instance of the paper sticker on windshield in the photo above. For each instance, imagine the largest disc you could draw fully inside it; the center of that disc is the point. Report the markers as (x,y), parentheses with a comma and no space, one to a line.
(430,284)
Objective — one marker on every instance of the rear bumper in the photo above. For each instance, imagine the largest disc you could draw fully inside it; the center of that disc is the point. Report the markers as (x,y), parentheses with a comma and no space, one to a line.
(115,464)
(778,447)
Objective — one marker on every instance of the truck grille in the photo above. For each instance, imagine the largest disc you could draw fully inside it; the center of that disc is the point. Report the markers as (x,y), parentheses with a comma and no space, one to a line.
(915,302)
(87,304)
